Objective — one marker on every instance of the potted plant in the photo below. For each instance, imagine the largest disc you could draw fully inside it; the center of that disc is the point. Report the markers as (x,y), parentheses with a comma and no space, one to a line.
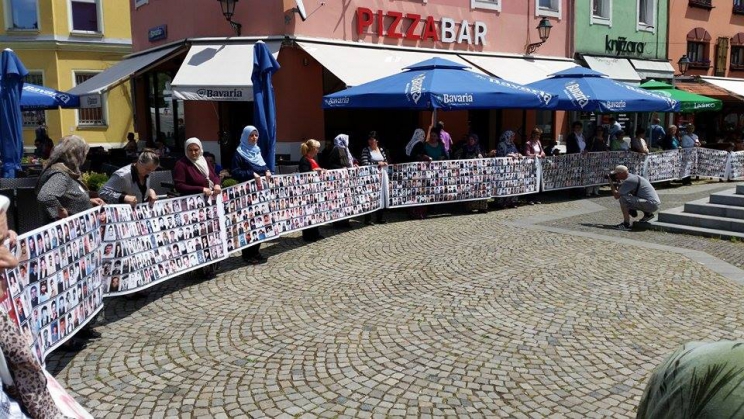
(94,181)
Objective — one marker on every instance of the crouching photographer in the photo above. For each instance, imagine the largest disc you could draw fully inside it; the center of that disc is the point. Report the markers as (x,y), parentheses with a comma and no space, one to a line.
(635,193)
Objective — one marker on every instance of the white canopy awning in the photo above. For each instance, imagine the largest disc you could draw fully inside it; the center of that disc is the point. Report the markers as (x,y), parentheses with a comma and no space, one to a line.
(618,69)
(734,86)
(517,69)
(218,72)
(358,65)
(648,69)
(123,70)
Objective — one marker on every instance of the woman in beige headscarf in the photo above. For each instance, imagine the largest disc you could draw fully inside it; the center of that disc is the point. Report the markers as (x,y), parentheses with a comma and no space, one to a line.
(60,190)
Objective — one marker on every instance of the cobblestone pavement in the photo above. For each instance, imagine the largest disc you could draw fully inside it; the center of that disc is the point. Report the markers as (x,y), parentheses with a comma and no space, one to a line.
(452,316)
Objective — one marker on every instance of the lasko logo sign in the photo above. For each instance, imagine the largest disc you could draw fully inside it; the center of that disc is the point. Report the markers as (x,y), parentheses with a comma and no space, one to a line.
(392,24)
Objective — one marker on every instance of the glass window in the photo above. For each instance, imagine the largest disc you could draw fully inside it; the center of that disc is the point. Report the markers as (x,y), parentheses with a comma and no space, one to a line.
(737,56)
(601,8)
(548,8)
(31,119)
(23,14)
(485,4)
(696,52)
(89,116)
(646,12)
(84,15)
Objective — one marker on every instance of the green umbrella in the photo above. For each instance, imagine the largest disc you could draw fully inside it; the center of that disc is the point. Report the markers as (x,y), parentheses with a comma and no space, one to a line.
(689,102)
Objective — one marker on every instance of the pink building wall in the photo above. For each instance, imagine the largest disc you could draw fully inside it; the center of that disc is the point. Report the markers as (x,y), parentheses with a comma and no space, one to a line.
(719,22)
(508,30)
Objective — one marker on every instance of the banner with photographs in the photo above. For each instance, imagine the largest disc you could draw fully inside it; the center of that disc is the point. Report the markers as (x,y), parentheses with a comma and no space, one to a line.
(261,210)
(56,288)
(425,183)
(662,166)
(515,176)
(146,245)
(736,165)
(589,169)
(711,163)
(687,162)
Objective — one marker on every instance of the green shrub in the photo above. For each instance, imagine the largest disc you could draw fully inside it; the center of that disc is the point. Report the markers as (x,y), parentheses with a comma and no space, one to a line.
(94,180)
(229,182)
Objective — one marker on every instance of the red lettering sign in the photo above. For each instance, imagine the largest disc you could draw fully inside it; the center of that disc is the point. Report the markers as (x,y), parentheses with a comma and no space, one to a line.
(364,19)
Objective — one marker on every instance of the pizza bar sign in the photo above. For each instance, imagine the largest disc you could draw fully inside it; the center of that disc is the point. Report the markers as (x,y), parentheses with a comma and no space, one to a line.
(412,26)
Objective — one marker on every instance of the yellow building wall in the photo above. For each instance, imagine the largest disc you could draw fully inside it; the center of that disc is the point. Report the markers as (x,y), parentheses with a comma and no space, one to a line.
(58,60)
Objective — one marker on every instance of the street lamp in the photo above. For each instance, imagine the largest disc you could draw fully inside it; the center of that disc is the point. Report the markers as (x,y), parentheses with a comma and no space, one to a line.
(543,30)
(683,64)
(228,10)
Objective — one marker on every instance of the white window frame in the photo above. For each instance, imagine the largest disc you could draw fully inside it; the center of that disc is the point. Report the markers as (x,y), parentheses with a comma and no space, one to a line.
(555,11)
(99,13)
(8,12)
(41,73)
(104,103)
(600,20)
(641,26)
(486,4)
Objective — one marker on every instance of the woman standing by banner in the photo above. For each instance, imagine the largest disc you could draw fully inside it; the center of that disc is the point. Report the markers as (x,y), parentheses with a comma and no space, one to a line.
(374,155)
(131,184)
(61,193)
(192,175)
(507,148)
(471,150)
(309,149)
(248,164)
(341,158)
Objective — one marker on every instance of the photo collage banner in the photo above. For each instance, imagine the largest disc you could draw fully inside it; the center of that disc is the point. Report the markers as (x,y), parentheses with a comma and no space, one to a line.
(736,165)
(424,183)
(589,169)
(57,287)
(261,210)
(67,267)
(146,245)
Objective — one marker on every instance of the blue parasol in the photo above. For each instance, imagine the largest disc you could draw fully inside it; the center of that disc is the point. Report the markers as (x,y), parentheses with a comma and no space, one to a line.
(12,73)
(264,108)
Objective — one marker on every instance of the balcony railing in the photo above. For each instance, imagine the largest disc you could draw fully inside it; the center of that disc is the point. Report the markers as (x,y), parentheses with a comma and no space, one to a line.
(703,4)
(701,65)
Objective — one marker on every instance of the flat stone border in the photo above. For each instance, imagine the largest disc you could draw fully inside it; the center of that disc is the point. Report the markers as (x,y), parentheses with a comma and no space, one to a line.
(587,207)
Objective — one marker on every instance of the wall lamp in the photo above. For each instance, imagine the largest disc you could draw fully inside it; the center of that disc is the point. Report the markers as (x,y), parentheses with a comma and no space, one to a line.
(228,9)
(543,29)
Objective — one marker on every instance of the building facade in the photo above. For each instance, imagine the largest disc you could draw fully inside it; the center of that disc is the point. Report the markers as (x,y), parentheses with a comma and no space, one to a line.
(194,65)
(710,34)
(63,43)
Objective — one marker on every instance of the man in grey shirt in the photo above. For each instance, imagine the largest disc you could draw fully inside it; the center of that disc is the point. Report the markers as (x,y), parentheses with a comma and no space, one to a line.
(634,194)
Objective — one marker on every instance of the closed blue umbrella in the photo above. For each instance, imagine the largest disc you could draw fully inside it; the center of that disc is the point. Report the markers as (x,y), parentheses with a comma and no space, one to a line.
(586,90)
(12,73)
(264,108)
(440,84)
(40,97)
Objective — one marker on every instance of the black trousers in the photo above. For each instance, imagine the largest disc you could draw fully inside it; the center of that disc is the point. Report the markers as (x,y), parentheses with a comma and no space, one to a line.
(251,252)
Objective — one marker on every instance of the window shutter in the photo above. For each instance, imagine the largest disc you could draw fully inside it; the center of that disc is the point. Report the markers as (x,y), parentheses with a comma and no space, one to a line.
(721,54)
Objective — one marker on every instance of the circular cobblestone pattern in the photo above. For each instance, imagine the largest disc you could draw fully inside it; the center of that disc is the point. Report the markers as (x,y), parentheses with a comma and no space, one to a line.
(452,316)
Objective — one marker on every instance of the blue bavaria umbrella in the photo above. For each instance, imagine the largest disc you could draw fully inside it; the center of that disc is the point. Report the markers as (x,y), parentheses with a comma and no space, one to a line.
(12,73)
(40,97)
(440,84)
(583,89)
(264,108)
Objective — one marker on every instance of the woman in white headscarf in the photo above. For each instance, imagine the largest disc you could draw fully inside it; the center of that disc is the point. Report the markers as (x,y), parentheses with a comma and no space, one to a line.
(192,175)
(248,164)
(419,136)
(340,158)
(340,155)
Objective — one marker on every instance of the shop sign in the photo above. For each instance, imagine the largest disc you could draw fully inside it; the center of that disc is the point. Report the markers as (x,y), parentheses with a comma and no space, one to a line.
(157,33)
(412,26)
(621,46)
(90,101)
(226,94)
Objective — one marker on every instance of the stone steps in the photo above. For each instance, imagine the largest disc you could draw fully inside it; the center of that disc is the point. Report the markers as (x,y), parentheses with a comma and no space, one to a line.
(720,215)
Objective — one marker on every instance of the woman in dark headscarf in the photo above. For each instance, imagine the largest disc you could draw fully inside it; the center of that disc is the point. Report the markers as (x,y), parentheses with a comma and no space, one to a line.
(248,164)
(471,150)
(340,158)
